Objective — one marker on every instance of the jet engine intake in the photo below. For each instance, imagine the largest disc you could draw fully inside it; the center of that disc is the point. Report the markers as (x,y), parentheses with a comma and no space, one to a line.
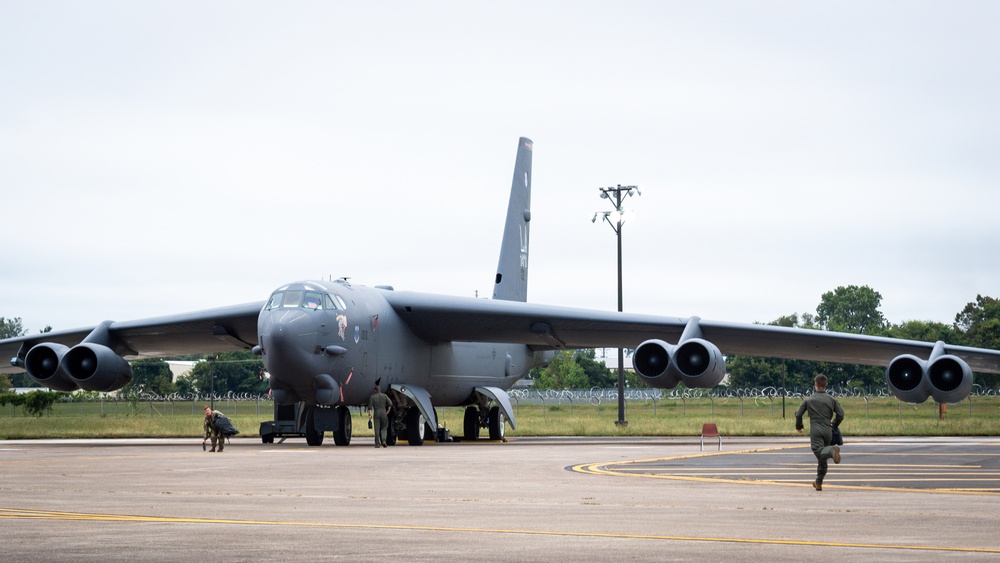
(700,363)
(695,361)
(651,361)
(945,378)
(42,362)
(950,379)
(905,377)
(96,368)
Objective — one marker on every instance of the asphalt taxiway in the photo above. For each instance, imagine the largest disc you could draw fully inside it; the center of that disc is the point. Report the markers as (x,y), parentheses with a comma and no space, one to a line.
(529,499)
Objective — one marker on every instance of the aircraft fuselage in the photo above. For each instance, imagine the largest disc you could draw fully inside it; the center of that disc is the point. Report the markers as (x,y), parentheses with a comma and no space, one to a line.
(327,343)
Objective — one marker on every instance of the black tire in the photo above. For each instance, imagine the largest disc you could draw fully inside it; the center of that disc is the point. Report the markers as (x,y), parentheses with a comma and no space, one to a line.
(471,423)
(342,436)
(414,427)
(267,438)
(497,427)
(313,437)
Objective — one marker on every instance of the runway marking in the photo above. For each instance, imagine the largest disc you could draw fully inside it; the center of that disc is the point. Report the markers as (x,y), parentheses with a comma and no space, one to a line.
(16,513)
(875,473)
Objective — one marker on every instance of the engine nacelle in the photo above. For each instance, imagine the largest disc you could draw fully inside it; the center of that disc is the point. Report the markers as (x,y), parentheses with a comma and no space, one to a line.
(946,378)
(906,376)
(950,379)
(96,368)
(696,362)
(651,361)
(700,363)
(43,363)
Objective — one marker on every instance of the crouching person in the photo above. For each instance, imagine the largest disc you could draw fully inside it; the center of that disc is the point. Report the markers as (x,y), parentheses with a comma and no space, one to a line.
(212,429)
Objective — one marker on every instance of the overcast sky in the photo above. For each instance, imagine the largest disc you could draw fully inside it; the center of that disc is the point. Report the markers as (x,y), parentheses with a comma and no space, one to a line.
(165,157)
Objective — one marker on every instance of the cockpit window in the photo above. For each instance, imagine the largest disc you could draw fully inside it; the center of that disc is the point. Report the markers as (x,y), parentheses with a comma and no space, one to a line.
(292,299)
(298,298)
(313,300)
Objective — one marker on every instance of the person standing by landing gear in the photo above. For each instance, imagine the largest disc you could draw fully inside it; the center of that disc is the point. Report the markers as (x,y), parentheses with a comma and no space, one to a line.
(379,404)
(825,414)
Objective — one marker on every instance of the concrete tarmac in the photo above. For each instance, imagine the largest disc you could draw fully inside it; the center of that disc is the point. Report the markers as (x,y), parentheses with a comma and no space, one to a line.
(529,499)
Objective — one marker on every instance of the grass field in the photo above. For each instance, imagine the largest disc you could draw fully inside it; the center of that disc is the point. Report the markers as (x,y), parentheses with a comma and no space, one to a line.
(979,416)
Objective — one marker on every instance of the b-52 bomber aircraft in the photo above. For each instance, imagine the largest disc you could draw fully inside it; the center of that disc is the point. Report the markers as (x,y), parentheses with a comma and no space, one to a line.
(327,343)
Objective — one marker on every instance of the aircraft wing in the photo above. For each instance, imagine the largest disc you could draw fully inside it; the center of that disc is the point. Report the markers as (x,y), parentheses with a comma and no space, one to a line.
(201,332)
(438,318)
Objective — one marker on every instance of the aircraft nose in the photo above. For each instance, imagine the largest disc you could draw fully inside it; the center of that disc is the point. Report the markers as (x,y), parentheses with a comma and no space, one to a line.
(280,343)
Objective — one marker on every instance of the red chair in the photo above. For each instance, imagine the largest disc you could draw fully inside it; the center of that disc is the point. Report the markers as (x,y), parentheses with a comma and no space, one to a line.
(710,430)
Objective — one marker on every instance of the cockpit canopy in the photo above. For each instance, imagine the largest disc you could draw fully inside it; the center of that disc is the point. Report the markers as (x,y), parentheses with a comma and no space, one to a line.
(291,297)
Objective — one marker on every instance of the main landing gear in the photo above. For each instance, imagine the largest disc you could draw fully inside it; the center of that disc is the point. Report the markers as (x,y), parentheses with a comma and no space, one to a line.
(493,420)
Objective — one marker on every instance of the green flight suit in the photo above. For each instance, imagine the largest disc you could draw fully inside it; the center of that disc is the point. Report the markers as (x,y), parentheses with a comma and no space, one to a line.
(212,431)
(379,404)
(825,414)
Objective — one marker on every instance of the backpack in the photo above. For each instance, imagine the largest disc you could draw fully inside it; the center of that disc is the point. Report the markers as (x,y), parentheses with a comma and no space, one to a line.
(225,426)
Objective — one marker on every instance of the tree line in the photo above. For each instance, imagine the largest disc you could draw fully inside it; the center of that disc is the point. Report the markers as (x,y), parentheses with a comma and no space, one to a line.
(853,309)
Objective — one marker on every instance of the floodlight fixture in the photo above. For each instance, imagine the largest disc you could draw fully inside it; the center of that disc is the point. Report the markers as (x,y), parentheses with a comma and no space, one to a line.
(616,194)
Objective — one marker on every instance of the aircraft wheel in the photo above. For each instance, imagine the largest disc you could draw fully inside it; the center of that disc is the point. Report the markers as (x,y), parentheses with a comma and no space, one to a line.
(313,437)
(267,438)
(471,423)
(342,436)
(415,427)
(497,427)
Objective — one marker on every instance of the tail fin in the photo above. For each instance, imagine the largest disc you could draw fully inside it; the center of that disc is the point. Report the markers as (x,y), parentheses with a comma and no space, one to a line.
(512,271)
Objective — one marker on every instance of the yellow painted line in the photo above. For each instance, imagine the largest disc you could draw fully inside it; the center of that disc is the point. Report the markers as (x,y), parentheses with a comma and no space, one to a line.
(14,513)
(852,475)
(621,469)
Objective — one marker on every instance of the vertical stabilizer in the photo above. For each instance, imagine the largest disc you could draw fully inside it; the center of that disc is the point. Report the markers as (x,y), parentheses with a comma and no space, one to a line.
(511,283)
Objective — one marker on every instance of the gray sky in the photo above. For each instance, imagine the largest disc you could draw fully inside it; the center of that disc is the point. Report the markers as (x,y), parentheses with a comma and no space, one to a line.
(166,157)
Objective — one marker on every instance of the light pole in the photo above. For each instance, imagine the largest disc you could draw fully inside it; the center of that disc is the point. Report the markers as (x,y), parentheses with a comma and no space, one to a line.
(616,195)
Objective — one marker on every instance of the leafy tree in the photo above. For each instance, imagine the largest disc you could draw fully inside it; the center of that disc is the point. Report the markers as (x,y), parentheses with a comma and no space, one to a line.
(11,399)
(585,372)
(11,328)
(846,309)
(22,379)
(239,372)
(851,309)
(598,374)
(186,384)
(978,324)
(37,403)
(562,373)
(750,371)
(928,331)
(5,383)
(151,376)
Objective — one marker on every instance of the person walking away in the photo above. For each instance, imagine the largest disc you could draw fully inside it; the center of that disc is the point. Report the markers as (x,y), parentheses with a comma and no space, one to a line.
(212,430)
(380,405)
(825,414)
